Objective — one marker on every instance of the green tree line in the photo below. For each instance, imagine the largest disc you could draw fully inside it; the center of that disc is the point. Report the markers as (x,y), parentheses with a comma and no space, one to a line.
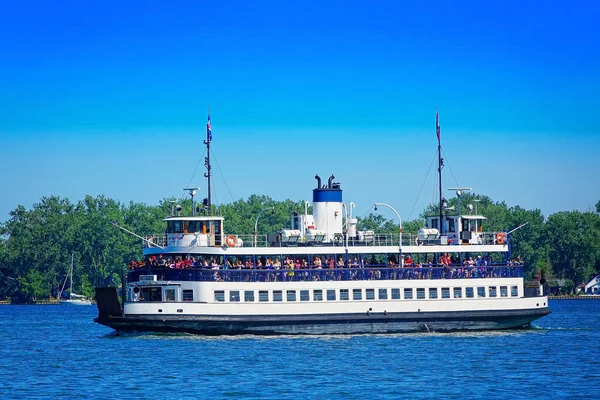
(36,244)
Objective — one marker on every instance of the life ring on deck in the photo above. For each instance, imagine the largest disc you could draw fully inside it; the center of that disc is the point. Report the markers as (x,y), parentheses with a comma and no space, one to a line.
(230,241)
(500,238)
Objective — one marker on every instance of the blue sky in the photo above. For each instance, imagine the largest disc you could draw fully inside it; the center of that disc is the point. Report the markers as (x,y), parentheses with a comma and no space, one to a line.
(111,98)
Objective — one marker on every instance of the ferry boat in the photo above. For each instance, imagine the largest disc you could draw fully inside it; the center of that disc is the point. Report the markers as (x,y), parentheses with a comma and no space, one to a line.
(323,275)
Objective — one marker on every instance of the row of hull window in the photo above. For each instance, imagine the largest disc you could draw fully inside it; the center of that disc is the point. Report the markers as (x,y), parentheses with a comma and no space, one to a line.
(360,294)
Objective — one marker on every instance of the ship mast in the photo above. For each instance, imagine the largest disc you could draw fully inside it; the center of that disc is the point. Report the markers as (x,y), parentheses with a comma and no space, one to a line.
(207,174)
(440,165)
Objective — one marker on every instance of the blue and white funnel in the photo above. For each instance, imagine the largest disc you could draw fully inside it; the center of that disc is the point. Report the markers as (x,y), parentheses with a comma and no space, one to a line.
(327,208)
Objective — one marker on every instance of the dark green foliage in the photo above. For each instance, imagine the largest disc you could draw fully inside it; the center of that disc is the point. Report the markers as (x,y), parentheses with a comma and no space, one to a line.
(568,286)
(36,245)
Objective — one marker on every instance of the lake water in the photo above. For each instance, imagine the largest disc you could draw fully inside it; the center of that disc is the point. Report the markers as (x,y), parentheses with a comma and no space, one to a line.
(58,351)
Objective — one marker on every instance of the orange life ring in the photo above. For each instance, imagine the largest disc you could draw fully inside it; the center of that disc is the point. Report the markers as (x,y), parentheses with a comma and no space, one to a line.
(500,238)
(230,241)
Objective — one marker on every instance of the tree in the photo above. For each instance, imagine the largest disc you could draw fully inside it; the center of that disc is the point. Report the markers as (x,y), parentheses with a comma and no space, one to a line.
(573,239)
(568,286)
(34,286)
(528,241)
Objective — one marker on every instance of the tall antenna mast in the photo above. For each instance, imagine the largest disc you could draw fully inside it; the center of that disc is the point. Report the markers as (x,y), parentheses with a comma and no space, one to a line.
(440,165)
(207,174)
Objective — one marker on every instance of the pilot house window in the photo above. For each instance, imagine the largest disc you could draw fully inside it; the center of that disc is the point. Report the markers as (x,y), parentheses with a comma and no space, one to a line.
(169,294)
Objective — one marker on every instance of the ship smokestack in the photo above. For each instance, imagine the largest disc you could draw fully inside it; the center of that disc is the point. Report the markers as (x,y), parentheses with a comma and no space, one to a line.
(331,178)
(318,178)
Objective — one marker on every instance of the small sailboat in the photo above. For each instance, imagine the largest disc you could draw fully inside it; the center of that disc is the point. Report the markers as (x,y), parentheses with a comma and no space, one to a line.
(73,298)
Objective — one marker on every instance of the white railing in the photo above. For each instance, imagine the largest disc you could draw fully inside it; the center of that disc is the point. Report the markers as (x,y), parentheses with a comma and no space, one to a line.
(381,239)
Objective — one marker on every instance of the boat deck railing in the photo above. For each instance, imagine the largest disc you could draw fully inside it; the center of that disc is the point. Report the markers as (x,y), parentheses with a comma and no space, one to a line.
(335,274)
(382,239)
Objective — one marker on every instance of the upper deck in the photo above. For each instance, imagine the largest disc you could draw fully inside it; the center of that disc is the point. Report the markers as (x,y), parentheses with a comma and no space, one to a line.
(350,273)
(330,227)
(194,243)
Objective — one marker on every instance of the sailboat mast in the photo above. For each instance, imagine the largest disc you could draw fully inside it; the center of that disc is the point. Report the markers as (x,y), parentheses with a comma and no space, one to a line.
(440,165)
(71,276)
(207,174)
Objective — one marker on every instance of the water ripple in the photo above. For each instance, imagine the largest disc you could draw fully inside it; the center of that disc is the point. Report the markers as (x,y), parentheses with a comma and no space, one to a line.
(56,351)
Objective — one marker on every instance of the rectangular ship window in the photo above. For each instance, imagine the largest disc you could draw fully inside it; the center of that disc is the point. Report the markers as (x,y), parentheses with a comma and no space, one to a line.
(469,292)
(445,293)
(457,292)
(263,295)
(514,291)
(304,295)
(331,294)
(420,293)
(188,295)
(370,294)
(152,294)
(383,295)
(317,295)
(169,294)
(277,295)
(396,294)
(234,296)
(219,295)
(480,291)
(291,295)
(344,294)
(433,293)
(503,291)
(248,295)
(408,293)
(356,294)
(493,292)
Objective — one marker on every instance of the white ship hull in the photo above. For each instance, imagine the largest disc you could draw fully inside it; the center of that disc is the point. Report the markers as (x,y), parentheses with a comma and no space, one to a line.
(332,317)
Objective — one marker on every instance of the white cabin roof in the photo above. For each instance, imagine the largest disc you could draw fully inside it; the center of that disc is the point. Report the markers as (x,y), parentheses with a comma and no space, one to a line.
(472,217)
(199,218)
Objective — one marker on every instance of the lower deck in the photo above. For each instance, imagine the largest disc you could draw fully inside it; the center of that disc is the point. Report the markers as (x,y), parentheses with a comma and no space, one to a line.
(324,307)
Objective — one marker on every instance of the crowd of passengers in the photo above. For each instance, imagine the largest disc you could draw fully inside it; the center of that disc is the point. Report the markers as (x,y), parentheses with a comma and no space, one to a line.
(450,266)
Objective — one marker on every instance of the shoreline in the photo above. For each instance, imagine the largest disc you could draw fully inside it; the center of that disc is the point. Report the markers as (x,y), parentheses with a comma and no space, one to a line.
(37,303)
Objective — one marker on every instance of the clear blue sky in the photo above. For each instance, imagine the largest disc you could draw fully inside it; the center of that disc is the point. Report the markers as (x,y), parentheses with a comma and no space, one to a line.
(111,97)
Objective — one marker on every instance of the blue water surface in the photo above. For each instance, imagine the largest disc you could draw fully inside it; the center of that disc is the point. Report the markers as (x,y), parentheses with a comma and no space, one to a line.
(58,351)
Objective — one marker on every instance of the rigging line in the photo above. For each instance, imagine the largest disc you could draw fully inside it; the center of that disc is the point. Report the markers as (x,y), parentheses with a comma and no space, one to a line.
(450,168)
(222,176)
(369,209)
(197,166)
(434,189)
(422,185)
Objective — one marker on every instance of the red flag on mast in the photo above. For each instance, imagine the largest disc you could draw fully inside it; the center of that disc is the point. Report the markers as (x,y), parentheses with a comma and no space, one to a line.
(208,127)
(437,125)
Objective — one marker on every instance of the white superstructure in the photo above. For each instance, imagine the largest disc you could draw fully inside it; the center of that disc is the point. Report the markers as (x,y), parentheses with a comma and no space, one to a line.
(317,278)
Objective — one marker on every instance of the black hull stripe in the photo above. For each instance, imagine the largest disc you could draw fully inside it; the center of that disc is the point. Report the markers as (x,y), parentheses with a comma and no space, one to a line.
(327,323)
